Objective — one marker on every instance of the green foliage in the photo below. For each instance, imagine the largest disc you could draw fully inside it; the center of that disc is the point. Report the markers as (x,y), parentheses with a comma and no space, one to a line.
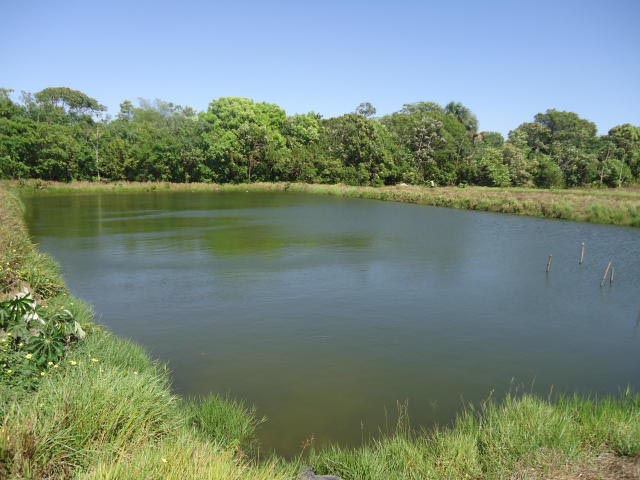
(366,109)
(490,169)
(61,134)
(567,127)
(489,139)
(463,114)
(436,142)
(626,141)
(33,339)
(245,140)
(548,173)
(76,102)
(361,146)
(521,167)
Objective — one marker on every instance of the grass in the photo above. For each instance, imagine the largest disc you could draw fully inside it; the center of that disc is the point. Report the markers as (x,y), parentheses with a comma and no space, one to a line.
(20,261)
(226,420)
(606,206)
(521,437)
(108,412)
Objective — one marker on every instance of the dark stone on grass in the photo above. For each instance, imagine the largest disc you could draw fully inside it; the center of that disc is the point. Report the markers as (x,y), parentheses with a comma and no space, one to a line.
(307,474)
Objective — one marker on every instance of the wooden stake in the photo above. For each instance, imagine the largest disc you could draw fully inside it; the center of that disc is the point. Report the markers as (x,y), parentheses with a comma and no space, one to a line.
(606,272)
(549,263)
(581,253)
(613,272)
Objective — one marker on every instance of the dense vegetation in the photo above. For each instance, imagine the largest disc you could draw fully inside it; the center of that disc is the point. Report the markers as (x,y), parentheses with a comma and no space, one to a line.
(63,134)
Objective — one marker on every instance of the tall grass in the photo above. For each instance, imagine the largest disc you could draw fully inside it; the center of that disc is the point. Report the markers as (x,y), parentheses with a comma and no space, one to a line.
(228,421)
(511,439)
(186,457)
(108,412)
(20,262)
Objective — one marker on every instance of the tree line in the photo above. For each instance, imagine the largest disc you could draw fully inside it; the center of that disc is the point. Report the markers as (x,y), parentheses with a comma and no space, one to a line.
(63,134)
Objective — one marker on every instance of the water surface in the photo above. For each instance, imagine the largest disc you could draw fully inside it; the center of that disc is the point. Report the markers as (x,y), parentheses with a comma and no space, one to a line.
(324,312)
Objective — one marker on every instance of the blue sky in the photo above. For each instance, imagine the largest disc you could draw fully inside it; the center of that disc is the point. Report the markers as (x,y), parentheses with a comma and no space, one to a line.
(506,60)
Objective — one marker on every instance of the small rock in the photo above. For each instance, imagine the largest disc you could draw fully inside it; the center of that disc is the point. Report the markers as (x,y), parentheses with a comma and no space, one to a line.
(307,474)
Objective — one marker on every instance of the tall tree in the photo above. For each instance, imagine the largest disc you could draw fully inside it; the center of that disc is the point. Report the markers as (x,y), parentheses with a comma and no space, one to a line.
(464,115)
(366,109)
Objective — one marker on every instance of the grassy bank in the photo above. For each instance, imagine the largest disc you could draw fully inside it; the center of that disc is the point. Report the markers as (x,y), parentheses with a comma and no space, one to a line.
(108,412)
(606,206)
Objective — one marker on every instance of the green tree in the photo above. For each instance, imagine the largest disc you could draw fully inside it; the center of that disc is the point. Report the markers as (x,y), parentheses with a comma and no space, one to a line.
(245,141)
(547,173)
(366,109)
(58,102)
(522,168)
(626,141)
(421,107)
(567,128)
(464,115)
(489,139)
(490,168)
(361,144)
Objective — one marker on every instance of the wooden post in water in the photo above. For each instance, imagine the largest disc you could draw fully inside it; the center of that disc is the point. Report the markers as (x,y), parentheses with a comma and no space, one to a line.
(549,263)
(606,272)
(581,253)
(613,272)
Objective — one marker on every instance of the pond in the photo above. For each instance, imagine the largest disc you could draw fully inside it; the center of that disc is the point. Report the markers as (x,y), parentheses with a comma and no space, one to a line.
(326,312)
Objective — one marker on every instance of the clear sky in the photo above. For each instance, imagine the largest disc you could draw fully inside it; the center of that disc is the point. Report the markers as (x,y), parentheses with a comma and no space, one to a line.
(506,60)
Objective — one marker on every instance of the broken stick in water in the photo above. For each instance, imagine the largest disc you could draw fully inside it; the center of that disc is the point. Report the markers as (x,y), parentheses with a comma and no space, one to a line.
(606,272)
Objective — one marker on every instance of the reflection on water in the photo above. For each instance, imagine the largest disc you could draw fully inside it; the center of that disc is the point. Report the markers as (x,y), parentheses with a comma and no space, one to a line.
(324,311)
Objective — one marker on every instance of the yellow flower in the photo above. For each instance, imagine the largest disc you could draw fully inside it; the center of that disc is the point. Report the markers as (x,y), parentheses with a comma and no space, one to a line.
(21,344)
(50,363)
(42,374)
(95,360)
(135,373)
(73,362)
(9,371)
(56,365)
(164,460)
(28,356)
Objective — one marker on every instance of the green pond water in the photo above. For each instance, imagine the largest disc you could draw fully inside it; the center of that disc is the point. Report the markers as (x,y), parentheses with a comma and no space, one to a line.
(325,312)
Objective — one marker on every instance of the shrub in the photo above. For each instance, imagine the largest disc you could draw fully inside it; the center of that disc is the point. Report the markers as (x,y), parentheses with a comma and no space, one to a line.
(33,339)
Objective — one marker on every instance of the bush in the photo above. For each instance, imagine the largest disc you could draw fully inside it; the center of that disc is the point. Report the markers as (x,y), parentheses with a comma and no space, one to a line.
(33,339)
(548,174)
